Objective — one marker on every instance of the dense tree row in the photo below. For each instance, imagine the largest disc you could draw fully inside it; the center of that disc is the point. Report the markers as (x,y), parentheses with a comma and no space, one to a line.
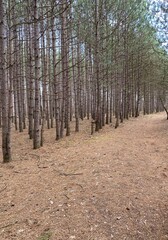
(64,61)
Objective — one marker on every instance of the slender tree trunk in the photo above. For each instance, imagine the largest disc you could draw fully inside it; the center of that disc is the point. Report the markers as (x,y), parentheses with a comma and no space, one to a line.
(65,117)
(97,65)
(6,146)
(56,99)
(36,137)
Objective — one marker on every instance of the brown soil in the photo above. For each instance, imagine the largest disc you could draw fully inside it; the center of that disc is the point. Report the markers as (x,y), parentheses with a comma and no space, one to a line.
(113,185)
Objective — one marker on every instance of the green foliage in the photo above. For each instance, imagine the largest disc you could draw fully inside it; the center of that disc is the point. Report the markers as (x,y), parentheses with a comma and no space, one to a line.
(46,235)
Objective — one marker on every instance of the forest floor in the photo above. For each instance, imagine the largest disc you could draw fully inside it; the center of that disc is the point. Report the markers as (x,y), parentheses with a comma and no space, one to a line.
(112,185)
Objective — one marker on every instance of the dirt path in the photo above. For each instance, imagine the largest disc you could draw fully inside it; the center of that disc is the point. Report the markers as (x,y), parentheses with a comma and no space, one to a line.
(113,185)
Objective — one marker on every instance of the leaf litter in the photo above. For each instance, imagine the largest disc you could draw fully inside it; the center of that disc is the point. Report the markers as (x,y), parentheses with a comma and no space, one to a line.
(112,185)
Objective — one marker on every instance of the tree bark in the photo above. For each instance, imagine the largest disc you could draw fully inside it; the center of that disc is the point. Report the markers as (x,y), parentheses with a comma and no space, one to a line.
(36,137)
(6,145)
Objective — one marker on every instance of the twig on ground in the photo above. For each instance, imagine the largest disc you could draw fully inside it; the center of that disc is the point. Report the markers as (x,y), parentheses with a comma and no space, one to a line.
(1,190)
(9,224)
(69,174)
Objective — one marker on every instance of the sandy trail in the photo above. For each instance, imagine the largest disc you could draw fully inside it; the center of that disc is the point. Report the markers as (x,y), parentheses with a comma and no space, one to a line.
(113,185)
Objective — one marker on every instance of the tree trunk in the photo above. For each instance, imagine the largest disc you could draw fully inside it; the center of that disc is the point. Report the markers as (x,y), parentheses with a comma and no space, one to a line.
(6,147)
(36,137)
